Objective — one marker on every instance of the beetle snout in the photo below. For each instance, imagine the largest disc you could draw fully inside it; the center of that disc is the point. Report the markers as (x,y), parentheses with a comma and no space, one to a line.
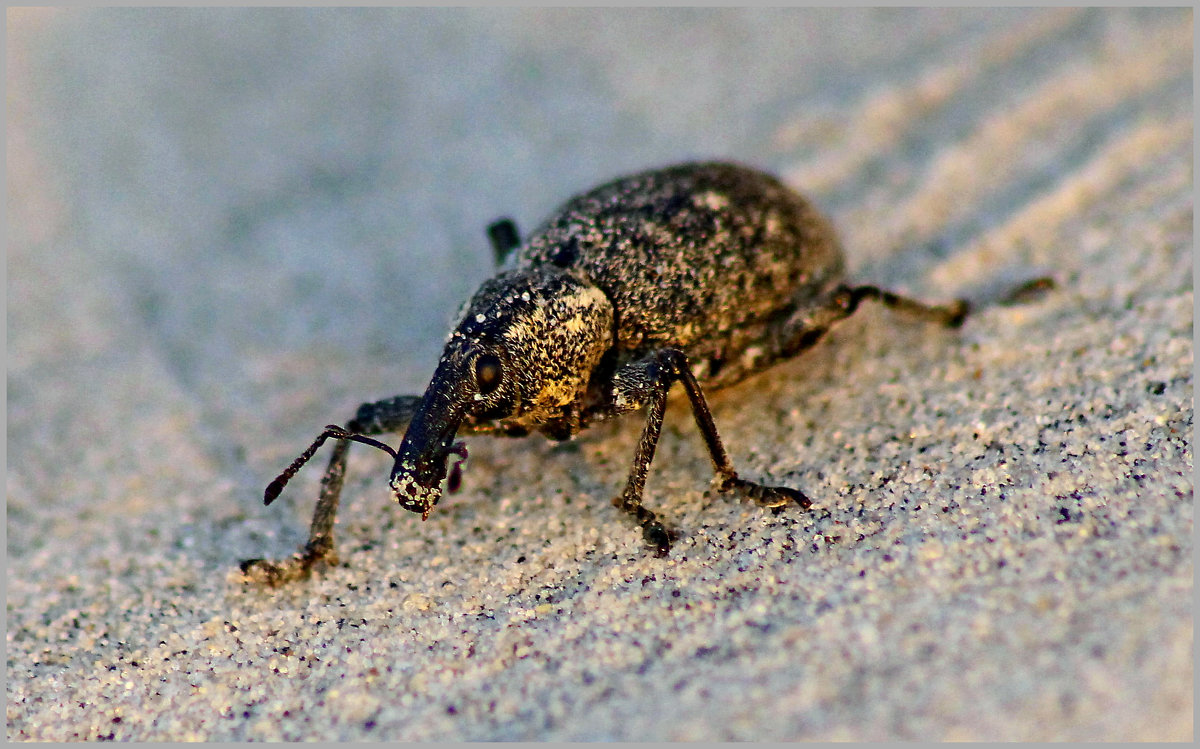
(417,482)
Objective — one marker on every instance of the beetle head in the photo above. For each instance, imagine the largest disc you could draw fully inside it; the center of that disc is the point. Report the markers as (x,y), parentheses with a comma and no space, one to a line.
(523,354)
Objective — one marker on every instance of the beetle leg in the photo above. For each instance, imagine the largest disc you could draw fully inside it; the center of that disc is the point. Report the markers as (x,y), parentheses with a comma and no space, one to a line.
(646,382)
(504,238)
(803,329)
(384,416)
(381,417)
(634,385)
(951,315)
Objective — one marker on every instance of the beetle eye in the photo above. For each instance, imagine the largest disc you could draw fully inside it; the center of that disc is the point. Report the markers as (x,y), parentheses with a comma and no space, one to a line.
(487,373)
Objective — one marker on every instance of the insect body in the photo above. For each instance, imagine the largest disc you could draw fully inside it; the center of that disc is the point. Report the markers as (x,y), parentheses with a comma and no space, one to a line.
(699,273)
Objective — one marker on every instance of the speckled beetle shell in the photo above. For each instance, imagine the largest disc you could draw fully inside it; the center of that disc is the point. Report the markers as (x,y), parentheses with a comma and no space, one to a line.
(699,257)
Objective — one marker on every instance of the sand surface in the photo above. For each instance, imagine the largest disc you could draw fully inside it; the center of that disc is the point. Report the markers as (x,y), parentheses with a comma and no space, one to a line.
(229,228)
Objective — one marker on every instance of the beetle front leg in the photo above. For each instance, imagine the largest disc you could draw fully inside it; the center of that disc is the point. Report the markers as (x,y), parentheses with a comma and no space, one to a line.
(646,382)
(385,416)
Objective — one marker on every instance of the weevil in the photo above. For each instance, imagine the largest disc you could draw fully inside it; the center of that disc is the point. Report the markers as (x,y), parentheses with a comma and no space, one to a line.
(701,274)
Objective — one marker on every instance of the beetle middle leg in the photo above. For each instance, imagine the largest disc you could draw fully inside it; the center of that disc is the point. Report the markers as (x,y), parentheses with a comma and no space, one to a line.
(646,382)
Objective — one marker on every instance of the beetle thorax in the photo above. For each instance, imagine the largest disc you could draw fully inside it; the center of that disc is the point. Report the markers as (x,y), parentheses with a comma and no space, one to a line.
(553,329)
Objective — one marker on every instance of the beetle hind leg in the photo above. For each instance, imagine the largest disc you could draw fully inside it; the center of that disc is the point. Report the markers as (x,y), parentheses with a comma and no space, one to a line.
(951,315)
(504,238)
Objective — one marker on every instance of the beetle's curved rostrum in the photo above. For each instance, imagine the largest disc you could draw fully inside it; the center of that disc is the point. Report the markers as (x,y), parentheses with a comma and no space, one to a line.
(699,273)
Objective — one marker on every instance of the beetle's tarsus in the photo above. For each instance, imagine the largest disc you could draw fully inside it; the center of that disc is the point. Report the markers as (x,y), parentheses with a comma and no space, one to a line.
(761,494)
(299,566)
(656,535)
(1028,291)
(653,531)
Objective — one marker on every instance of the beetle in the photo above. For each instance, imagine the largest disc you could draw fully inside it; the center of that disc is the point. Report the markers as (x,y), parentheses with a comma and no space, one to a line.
(700,273)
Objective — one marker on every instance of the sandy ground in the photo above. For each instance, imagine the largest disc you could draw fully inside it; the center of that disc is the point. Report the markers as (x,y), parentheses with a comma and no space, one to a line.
(229,228)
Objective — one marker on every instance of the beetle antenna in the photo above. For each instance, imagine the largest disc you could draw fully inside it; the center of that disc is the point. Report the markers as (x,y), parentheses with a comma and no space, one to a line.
(331,430)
